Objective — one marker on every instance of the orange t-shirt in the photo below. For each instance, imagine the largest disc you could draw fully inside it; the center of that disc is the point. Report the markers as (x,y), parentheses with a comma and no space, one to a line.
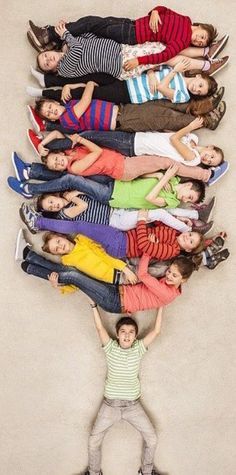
(109,163)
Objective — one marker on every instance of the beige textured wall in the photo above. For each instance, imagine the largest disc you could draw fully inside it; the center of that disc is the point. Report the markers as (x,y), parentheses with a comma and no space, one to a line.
(52,367)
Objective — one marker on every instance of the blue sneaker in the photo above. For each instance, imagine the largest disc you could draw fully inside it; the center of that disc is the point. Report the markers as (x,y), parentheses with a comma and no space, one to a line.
(20,167)
(18,187)
(218,172)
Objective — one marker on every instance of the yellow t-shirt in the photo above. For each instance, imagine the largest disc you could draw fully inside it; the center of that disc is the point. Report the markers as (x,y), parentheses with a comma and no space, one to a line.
(90,258)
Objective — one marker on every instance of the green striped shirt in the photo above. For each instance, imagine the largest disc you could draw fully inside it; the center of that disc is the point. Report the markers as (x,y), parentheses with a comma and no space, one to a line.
(122,381)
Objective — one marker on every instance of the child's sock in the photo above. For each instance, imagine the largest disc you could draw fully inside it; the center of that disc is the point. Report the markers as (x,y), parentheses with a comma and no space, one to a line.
(37,75)
(34,91)
(206,66)
(206,51)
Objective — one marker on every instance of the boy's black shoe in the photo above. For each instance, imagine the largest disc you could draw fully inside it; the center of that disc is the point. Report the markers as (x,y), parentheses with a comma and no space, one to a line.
(204,211)
(213,261)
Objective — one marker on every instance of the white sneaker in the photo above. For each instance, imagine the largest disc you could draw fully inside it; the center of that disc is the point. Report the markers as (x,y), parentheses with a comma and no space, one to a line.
(21,243)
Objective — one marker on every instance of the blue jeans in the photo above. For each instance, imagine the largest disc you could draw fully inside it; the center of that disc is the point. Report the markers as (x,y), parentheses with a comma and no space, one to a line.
(122,142)
(121,30)
(105,295)
(38,171)
(94,190)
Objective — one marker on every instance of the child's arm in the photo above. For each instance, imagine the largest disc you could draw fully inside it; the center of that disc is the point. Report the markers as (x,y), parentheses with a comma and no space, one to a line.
(80,207)
(66,94)
(175,139)
(163,86)
(102,333)
(150,337)
(55,134)
(94,153)
(85,100)
(152,196)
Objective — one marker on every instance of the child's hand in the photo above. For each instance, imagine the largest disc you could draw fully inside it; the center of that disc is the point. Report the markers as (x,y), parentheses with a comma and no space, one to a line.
(69,195)
(152,238)
(172,170)
(196,123)
(183,65)
(60,28)
(130,276)
(53,279)
(131,64)
(154,21)
(186,221)
(152,82)
(167,187)
(43,151)
(93,83)
(143,214)
(74,139)
(65,93)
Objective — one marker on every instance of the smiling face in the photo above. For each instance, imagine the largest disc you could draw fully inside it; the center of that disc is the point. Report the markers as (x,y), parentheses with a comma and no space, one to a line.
(48,60)
(199,37)
(173,276)
(186,194)
(210,157)
(126,336)
(51,110)
(52,203)
(198,86)
(189,241)
(59,246)
(57,161)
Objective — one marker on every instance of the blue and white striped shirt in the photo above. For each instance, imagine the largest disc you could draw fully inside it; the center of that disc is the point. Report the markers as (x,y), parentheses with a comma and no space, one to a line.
(139,90)
(89,54)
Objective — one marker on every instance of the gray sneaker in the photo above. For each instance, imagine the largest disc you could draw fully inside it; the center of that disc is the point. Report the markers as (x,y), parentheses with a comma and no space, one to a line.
(29,216)
(21,244)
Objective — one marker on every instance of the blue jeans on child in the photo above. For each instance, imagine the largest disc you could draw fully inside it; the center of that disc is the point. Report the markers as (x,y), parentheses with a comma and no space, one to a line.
(105,295)
(38,171)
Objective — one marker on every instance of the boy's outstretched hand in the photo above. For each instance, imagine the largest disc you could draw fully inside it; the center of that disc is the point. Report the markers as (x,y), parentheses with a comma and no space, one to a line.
(131,64)
(130,275)
(60,28)
(53,279)
(154,21)
(196,123)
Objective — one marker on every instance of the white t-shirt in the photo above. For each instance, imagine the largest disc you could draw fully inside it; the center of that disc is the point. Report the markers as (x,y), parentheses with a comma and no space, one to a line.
(158,143)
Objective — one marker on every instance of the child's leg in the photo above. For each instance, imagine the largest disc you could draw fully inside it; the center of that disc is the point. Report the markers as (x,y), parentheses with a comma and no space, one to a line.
(194,62)
(125,220)
(52,80)
(194,52)
(107,416)
(122,142)
(38,171)
(138,418)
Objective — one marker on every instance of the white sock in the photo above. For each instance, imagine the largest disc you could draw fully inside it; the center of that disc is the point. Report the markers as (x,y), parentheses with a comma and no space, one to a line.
(34,91)
(37,75)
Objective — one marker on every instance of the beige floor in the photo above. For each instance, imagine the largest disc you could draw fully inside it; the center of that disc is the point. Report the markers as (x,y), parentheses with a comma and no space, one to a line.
(52,366)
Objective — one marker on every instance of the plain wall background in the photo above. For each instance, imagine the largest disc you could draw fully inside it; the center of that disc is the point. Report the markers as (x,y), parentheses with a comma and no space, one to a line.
(52,366)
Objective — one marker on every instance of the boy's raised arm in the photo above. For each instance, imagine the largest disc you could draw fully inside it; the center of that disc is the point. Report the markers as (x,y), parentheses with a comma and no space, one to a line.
(85,100)
(150,337)
(102,333)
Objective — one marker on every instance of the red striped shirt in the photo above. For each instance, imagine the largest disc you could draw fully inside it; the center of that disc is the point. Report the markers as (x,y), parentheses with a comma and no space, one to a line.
(98,116)
(175,32)
(165,248)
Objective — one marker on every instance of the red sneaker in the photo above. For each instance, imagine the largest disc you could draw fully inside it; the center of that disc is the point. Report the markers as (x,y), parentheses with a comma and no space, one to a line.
(34,139)
(37,122)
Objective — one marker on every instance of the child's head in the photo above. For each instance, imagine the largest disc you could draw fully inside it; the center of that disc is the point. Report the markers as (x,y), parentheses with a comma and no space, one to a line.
(202,85)
(192,191)
(56,161)
(203,34)
(212,156)
(126,331)
(50,203)
(48,60)
(57,244)
(191,241)
(180,270)
(49,109)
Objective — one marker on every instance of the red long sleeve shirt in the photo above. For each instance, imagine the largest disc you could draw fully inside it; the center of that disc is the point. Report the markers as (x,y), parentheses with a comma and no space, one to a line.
(175,32)
(165,248)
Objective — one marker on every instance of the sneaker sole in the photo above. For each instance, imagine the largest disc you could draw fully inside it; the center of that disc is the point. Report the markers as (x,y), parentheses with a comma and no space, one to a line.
(33,121)
(213,207)
(18,239)
(221,67)
(25,222)
(30,141)
(33,43)
(217,179)
(15,167)
(219,49)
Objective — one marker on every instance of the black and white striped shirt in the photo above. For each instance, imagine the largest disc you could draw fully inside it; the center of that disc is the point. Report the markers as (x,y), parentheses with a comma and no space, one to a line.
(89,54)
(96,212)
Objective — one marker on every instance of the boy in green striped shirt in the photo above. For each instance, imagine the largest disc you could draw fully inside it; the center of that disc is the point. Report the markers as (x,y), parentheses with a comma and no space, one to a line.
(122,390)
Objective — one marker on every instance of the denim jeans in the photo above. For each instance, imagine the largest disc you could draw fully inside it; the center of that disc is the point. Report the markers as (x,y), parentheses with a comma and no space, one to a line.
(121,30)
(122,142)
(105,295)
(94,190)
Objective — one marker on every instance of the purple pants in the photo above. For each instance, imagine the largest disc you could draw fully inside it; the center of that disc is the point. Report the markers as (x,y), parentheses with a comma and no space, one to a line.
(112,240)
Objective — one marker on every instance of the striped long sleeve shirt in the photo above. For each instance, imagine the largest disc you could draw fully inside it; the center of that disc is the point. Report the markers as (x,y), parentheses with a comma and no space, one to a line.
(165,247)
(174,31)
(89,54)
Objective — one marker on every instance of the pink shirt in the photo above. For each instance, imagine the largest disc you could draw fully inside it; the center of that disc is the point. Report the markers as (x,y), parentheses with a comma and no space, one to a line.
(150,293)
(109,163)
